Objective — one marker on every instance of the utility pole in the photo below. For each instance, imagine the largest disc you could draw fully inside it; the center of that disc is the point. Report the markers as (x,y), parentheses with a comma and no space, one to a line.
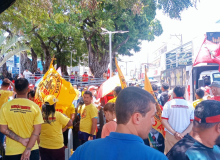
(110,44)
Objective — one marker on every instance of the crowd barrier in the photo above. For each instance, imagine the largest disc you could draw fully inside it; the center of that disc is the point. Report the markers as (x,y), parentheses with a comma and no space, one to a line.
(69,149)
(79,81)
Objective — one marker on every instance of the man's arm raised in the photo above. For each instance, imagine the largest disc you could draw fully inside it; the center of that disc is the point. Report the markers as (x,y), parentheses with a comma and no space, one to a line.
(14,136)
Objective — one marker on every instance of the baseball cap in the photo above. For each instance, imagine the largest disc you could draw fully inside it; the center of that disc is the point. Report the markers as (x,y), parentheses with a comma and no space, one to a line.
(92,87)
(51,99)
(207,112)
(215,84)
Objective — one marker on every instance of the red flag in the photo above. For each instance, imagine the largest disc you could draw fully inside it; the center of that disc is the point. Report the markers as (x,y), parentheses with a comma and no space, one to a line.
(208,53)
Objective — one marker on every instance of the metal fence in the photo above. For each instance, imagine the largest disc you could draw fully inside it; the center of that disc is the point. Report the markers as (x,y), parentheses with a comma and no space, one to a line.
(79,81)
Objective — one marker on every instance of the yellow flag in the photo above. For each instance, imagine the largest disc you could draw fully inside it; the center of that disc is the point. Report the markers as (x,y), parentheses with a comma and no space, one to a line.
(158,125)
(53,84)
(121,77)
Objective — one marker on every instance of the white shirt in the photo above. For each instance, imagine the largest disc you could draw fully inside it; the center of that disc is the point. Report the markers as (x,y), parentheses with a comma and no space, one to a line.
(27,74)
(179,113)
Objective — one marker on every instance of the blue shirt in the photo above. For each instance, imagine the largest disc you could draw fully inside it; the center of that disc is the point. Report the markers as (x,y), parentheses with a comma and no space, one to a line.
(117,146)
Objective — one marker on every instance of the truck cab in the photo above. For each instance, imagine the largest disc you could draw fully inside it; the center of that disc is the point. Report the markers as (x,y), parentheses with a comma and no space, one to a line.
(201,76)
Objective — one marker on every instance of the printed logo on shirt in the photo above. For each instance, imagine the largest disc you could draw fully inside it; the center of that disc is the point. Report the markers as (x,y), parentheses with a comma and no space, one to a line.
(179,106)
(21,109)
(84,113)
(50,119)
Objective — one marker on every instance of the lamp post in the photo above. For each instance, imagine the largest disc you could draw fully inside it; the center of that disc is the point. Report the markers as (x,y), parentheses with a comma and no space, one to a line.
(126,66)
(105,31)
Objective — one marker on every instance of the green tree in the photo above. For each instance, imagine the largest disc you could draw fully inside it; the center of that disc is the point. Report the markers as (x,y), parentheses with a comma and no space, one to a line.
(59,27)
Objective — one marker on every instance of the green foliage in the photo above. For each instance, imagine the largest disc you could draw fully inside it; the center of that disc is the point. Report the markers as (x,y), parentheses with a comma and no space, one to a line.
(62,26)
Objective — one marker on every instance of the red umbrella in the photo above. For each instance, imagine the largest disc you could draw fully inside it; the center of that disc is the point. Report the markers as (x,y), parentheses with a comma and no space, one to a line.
(108,86)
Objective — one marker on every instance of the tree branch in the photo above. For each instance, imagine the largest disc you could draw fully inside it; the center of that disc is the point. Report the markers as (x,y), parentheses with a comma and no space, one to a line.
(121,44)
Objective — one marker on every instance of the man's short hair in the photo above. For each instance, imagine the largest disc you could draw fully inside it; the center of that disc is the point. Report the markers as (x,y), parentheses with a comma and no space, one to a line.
(154,87)
(204,109)
(117,90)
(165,85)
(5,84)
(132,100)
(88,92)
(200,93)
(21,85)
(179,91)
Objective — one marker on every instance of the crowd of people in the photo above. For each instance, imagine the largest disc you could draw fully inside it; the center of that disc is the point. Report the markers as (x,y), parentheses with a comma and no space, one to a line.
(119,127)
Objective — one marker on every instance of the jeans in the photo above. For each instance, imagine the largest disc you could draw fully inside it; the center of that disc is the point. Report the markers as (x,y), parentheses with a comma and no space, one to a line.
(2,138)
(34,156)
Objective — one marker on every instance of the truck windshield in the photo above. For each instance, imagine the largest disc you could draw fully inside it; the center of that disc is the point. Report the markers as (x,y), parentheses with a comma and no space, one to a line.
(216,76)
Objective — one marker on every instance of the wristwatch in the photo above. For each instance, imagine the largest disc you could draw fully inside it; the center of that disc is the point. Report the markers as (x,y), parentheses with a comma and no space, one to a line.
(90,135)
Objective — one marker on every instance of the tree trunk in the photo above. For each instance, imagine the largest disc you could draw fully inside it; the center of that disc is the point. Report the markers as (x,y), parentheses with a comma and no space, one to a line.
(64,70)
(34,61)
(99,67)
(98,64)
(58,61)
(47,59)
(25,62)
(4,70)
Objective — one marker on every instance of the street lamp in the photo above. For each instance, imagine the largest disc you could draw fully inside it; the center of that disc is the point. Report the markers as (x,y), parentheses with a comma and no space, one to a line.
(105,31)
(126,66)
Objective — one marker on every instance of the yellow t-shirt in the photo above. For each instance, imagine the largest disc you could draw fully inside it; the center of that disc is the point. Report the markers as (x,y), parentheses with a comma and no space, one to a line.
(61,109)
(87,113)
(77,94)
(112,100)
(196,102)
(51,136)
(4,95)
(20,115)
(83,93)
(70,110)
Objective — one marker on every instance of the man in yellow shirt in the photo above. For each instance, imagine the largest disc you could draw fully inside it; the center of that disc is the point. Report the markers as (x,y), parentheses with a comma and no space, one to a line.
(4,92)
(88,121)
(4,96)
(20,121)
(116,92)
(199,97)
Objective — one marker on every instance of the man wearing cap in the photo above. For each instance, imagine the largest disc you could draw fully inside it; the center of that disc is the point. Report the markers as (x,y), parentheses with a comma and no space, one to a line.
(215,88)
(202,143)
(20,121)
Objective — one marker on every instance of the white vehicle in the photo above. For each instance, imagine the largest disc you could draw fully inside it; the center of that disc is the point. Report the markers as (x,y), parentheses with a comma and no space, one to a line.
(201,76)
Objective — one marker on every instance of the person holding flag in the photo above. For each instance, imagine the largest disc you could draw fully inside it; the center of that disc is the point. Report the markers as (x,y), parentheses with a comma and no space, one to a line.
(156,136)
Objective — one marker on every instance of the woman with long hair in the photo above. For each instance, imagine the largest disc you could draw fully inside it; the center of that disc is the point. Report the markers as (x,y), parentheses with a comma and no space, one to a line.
(109,111)
(51,137)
